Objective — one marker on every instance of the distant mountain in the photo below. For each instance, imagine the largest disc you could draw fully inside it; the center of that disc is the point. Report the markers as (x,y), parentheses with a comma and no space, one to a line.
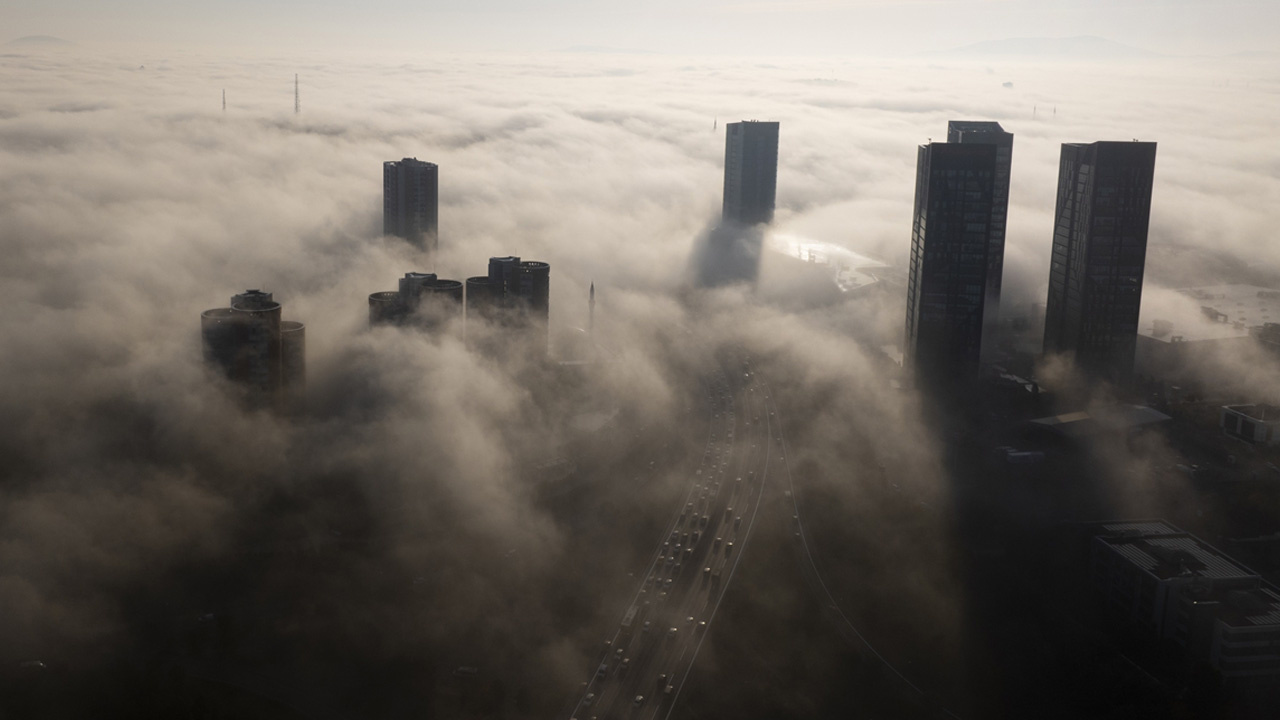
(39,40)
(1081,47)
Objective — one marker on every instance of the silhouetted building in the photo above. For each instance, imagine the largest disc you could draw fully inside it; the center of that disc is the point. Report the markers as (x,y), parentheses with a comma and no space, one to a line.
(950,239)
(1099,252)
(423,300)
(1258,423)
(750,172)
(1172,586)
(515,295)
(250,345)
(410,201)
(484,298)
(990,133)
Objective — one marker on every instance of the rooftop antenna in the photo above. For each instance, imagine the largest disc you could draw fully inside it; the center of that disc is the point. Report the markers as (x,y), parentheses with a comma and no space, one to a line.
(297,103)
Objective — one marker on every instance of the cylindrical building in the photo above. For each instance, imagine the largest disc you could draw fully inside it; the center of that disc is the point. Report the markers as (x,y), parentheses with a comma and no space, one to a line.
(439,304)
(414,284)
(220,338)
(503,270)
(484,297)
(386,308)
(534,288)
(250,345)
(293,356)
(258,361)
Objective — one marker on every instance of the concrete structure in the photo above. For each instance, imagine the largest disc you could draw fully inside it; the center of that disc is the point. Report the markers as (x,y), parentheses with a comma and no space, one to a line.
(1216,322)
(950,240)
(484,298)
(1254,423)
(250,345)
(1099,255)
(515,297)
(990,133)
(750,172)
(1173,587)
(423,300)
(1115,420)
(410,202)
(1140,571)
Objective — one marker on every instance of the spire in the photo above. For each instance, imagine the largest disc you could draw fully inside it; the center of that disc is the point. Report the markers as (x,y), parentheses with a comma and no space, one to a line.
(297,102)
(224,100)
(591,309)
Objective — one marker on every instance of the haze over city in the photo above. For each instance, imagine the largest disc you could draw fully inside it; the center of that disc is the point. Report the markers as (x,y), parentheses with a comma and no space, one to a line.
(703,446)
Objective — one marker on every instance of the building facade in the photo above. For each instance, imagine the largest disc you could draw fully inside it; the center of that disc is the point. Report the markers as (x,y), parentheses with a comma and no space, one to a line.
(990,133)
(410,202)
(950,239)
(251,346)
(750,172)
(422,300)
(1099,254)
(1169,586)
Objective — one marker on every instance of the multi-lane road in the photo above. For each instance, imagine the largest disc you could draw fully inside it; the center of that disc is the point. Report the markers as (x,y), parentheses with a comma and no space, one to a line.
(642,668)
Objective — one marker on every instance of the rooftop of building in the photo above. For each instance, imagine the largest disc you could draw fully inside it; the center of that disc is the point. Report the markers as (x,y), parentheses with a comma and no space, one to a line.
(1138,527)
(1085,424)
(975,125)
(1168,555)
(1260,412)
(1224,311)
(410,161)
(1255,608)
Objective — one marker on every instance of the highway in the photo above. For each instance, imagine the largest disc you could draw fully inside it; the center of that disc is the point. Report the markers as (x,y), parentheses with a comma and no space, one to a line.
(642,668)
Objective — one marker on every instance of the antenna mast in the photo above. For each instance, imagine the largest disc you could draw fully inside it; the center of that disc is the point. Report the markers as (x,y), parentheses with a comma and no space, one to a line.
(297,103)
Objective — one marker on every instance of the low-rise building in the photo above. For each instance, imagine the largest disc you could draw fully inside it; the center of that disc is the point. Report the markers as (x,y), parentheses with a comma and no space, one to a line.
(1258,423)
(1171,586)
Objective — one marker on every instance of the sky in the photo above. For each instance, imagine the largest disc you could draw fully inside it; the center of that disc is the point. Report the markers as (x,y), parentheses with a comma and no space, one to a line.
(750,27)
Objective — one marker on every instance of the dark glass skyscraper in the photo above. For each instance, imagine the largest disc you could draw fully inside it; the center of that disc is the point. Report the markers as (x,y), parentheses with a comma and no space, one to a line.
(990,133)
(410,201)
(750,171)
(1099,253)
(950,240)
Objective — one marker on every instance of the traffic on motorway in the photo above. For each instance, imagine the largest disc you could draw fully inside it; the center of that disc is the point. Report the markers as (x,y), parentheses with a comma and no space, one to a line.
(641,669)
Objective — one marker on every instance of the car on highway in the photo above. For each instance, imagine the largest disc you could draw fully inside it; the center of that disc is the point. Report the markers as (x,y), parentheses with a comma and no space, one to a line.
(638,701)
(590,698)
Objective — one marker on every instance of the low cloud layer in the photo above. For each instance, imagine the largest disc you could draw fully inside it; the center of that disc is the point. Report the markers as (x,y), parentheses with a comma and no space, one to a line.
(130,202)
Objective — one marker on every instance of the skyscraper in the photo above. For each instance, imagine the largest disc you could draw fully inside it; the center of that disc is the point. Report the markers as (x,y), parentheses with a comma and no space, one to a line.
(950,240)
(990,133)
(1099,254)
(410,201)
(750,171)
